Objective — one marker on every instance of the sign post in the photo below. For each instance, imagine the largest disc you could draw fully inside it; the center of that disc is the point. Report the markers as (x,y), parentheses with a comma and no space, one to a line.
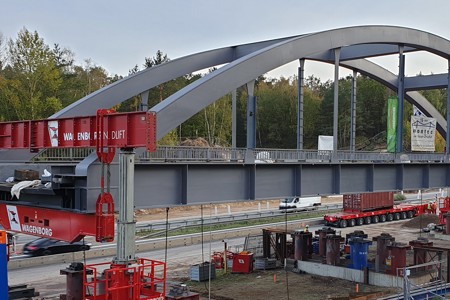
(3,264)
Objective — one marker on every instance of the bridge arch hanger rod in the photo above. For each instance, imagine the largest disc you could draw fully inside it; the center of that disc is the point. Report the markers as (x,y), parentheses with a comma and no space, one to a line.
(188,101)
(239,57)
(389,79)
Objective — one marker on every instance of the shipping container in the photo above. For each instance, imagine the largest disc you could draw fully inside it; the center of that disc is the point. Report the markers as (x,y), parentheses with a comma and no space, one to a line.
(368,201)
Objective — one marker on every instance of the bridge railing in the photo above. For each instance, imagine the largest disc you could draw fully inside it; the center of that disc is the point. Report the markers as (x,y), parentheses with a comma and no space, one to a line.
(249,156)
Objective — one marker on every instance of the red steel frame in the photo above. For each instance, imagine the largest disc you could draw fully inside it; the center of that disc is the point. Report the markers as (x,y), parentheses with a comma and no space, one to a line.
(105,131)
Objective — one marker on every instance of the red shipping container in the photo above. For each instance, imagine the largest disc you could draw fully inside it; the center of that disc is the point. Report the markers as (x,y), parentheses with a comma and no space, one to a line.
(368,201)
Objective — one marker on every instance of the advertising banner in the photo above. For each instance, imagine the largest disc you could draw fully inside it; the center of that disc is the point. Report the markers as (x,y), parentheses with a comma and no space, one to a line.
(392,124)
(423,132)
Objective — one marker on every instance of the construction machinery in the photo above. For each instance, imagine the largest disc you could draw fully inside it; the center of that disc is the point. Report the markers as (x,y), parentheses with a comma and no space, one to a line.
(59,204)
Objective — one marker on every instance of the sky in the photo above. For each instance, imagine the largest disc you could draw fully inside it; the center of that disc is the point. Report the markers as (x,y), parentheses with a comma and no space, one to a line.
(117,35)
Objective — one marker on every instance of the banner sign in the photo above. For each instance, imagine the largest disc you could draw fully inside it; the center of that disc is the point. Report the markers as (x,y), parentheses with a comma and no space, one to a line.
(423,132)
(392,124)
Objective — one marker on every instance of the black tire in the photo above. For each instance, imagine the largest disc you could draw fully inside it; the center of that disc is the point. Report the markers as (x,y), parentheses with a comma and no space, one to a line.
(389,217)
(351,223)
(403,215)
(367,220)
(383,218)
(343,223)
(360,221)
(375,219)
(410,214)
(396,216)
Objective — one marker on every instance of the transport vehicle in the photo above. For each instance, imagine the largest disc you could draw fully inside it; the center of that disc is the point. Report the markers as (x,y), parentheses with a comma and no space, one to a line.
(46,246)
(299,203)
(360,209)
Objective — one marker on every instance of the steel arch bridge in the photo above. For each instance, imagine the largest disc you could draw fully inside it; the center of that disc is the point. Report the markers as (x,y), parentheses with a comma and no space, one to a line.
(244,63)
(185,183)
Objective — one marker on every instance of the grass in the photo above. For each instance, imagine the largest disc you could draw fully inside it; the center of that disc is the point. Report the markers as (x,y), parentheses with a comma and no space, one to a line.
(230,225)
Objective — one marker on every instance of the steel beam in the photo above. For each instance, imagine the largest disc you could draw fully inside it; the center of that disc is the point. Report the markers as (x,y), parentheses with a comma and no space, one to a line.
(401,100)
(126,224)
(251,116)
(300,87)
(337,53)
(353,113)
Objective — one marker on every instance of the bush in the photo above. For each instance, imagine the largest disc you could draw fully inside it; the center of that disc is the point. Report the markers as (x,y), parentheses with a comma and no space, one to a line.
(399,197)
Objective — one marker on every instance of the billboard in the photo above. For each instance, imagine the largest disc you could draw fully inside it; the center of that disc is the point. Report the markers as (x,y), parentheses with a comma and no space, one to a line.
(392,124)
(423,132)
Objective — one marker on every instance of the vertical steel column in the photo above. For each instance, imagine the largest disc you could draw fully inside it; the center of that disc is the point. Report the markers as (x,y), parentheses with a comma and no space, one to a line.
(233,119)
(3,264)
(353,114)
(144,100)
(337,54)
(126,225)
(401,99)
(447,135)
(300,89)
(251,116)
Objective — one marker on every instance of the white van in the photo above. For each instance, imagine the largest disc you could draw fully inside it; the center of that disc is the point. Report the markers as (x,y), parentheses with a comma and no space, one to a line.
(300,203)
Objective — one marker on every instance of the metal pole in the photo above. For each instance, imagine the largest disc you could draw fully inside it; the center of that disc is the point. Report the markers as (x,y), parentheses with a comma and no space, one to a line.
(233,119)
(126,224)
(353,114)
(447,136)
(337,54)
(301,79)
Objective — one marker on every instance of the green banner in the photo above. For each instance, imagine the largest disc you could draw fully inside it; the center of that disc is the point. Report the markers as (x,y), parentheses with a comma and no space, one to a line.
(392,124)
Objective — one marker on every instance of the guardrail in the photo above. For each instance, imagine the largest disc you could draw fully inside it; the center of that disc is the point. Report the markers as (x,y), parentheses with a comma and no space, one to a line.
(226,219)
(250,156)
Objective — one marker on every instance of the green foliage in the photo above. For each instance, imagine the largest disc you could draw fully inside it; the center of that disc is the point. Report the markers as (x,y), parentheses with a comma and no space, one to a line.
(399,197)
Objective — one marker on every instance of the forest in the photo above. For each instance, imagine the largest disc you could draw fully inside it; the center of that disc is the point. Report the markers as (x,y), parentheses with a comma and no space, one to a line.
(37,80)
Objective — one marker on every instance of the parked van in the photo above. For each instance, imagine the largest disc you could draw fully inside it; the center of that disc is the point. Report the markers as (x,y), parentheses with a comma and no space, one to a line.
(300,203)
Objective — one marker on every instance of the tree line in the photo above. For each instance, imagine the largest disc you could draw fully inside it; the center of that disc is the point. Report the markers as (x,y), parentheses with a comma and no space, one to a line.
(37,80)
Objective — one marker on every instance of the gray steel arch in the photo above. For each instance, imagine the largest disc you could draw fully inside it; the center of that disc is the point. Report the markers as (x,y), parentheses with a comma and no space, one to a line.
(185,103)
(146,79)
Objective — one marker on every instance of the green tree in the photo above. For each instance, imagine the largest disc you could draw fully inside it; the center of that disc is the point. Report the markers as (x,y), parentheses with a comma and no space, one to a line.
(33,78)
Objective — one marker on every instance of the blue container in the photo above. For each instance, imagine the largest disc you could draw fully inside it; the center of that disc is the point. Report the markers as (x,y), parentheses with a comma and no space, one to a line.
(359,250)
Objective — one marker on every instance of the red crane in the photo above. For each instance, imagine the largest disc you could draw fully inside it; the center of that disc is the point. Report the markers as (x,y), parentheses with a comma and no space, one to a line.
(106,131)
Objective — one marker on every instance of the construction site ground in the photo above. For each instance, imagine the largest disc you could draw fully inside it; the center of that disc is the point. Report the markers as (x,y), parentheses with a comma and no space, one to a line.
(276,283)
(281,284)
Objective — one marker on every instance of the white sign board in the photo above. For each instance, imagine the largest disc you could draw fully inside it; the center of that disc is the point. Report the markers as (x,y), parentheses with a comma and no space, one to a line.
(325,142)
(423,132)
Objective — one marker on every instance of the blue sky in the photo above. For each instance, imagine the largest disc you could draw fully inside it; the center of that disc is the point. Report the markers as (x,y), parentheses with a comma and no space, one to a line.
(119,34)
